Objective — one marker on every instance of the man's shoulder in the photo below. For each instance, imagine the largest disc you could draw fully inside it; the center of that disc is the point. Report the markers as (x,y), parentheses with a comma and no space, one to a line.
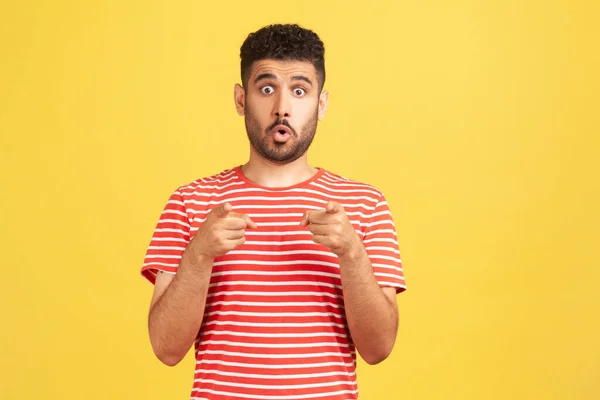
(346,183)
(209,183)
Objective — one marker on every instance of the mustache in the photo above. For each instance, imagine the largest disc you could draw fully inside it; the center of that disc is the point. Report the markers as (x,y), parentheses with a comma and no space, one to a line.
(282,122)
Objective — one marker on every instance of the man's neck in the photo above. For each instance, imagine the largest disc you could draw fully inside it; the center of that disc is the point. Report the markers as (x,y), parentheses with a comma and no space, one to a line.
(266,173)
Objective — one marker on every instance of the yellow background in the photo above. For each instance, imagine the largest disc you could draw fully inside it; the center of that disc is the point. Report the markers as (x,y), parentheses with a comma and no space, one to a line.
(479,120)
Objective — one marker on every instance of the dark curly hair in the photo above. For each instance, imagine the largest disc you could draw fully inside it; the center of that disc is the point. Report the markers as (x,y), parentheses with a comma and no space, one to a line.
(288,42)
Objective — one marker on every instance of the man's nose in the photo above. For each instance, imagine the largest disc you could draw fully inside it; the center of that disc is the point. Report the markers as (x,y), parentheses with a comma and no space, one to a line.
(282,107)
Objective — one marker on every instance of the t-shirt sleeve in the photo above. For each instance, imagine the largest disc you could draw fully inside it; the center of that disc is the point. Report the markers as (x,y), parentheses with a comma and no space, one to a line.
(169,240)
(381,244)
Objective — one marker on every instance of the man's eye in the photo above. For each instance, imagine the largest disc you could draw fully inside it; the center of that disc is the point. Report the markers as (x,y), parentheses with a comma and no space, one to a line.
(267,89)
(298,92)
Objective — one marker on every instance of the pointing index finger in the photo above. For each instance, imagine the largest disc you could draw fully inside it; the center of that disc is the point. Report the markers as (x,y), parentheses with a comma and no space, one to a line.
(333,207)
(249,223)
(305,218)
(222,210)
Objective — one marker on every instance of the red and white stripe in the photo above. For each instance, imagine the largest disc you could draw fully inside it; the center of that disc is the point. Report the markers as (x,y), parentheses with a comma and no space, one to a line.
(274,326)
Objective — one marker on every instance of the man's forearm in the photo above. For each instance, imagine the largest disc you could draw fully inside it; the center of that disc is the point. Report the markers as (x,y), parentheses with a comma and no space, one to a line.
(372,317)
(175,318)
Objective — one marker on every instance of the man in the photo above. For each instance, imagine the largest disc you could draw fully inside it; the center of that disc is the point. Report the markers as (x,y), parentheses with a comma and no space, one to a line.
(276,271)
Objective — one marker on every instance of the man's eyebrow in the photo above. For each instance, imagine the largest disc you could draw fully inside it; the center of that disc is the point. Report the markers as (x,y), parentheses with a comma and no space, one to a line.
(272,76)
(264,76)
(301,78)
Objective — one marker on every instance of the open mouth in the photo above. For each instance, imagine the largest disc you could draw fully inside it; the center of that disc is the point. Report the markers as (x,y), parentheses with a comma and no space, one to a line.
(282,129)
(281,134)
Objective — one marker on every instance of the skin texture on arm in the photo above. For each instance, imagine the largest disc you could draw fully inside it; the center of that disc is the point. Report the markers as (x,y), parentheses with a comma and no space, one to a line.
(176,309)
(371,311)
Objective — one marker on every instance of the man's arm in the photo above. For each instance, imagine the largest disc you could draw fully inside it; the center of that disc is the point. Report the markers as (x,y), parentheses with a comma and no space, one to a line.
(178,302)
(177,309)
(371,311)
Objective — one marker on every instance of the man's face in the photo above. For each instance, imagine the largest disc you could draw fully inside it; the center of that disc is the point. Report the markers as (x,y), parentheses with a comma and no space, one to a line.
(281,105)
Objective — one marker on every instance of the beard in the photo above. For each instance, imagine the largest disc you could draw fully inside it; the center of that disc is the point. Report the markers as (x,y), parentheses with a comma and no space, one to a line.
(280,153)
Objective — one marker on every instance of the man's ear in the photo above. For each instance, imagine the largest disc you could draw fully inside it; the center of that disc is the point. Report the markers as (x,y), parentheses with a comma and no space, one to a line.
(239,97)
(323,101)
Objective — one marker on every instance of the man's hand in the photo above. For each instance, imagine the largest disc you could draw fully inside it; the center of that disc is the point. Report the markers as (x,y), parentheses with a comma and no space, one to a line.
(222,231)
(332,228)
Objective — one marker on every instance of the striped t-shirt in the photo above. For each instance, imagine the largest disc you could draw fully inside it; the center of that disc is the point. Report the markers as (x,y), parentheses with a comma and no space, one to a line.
(274,325)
